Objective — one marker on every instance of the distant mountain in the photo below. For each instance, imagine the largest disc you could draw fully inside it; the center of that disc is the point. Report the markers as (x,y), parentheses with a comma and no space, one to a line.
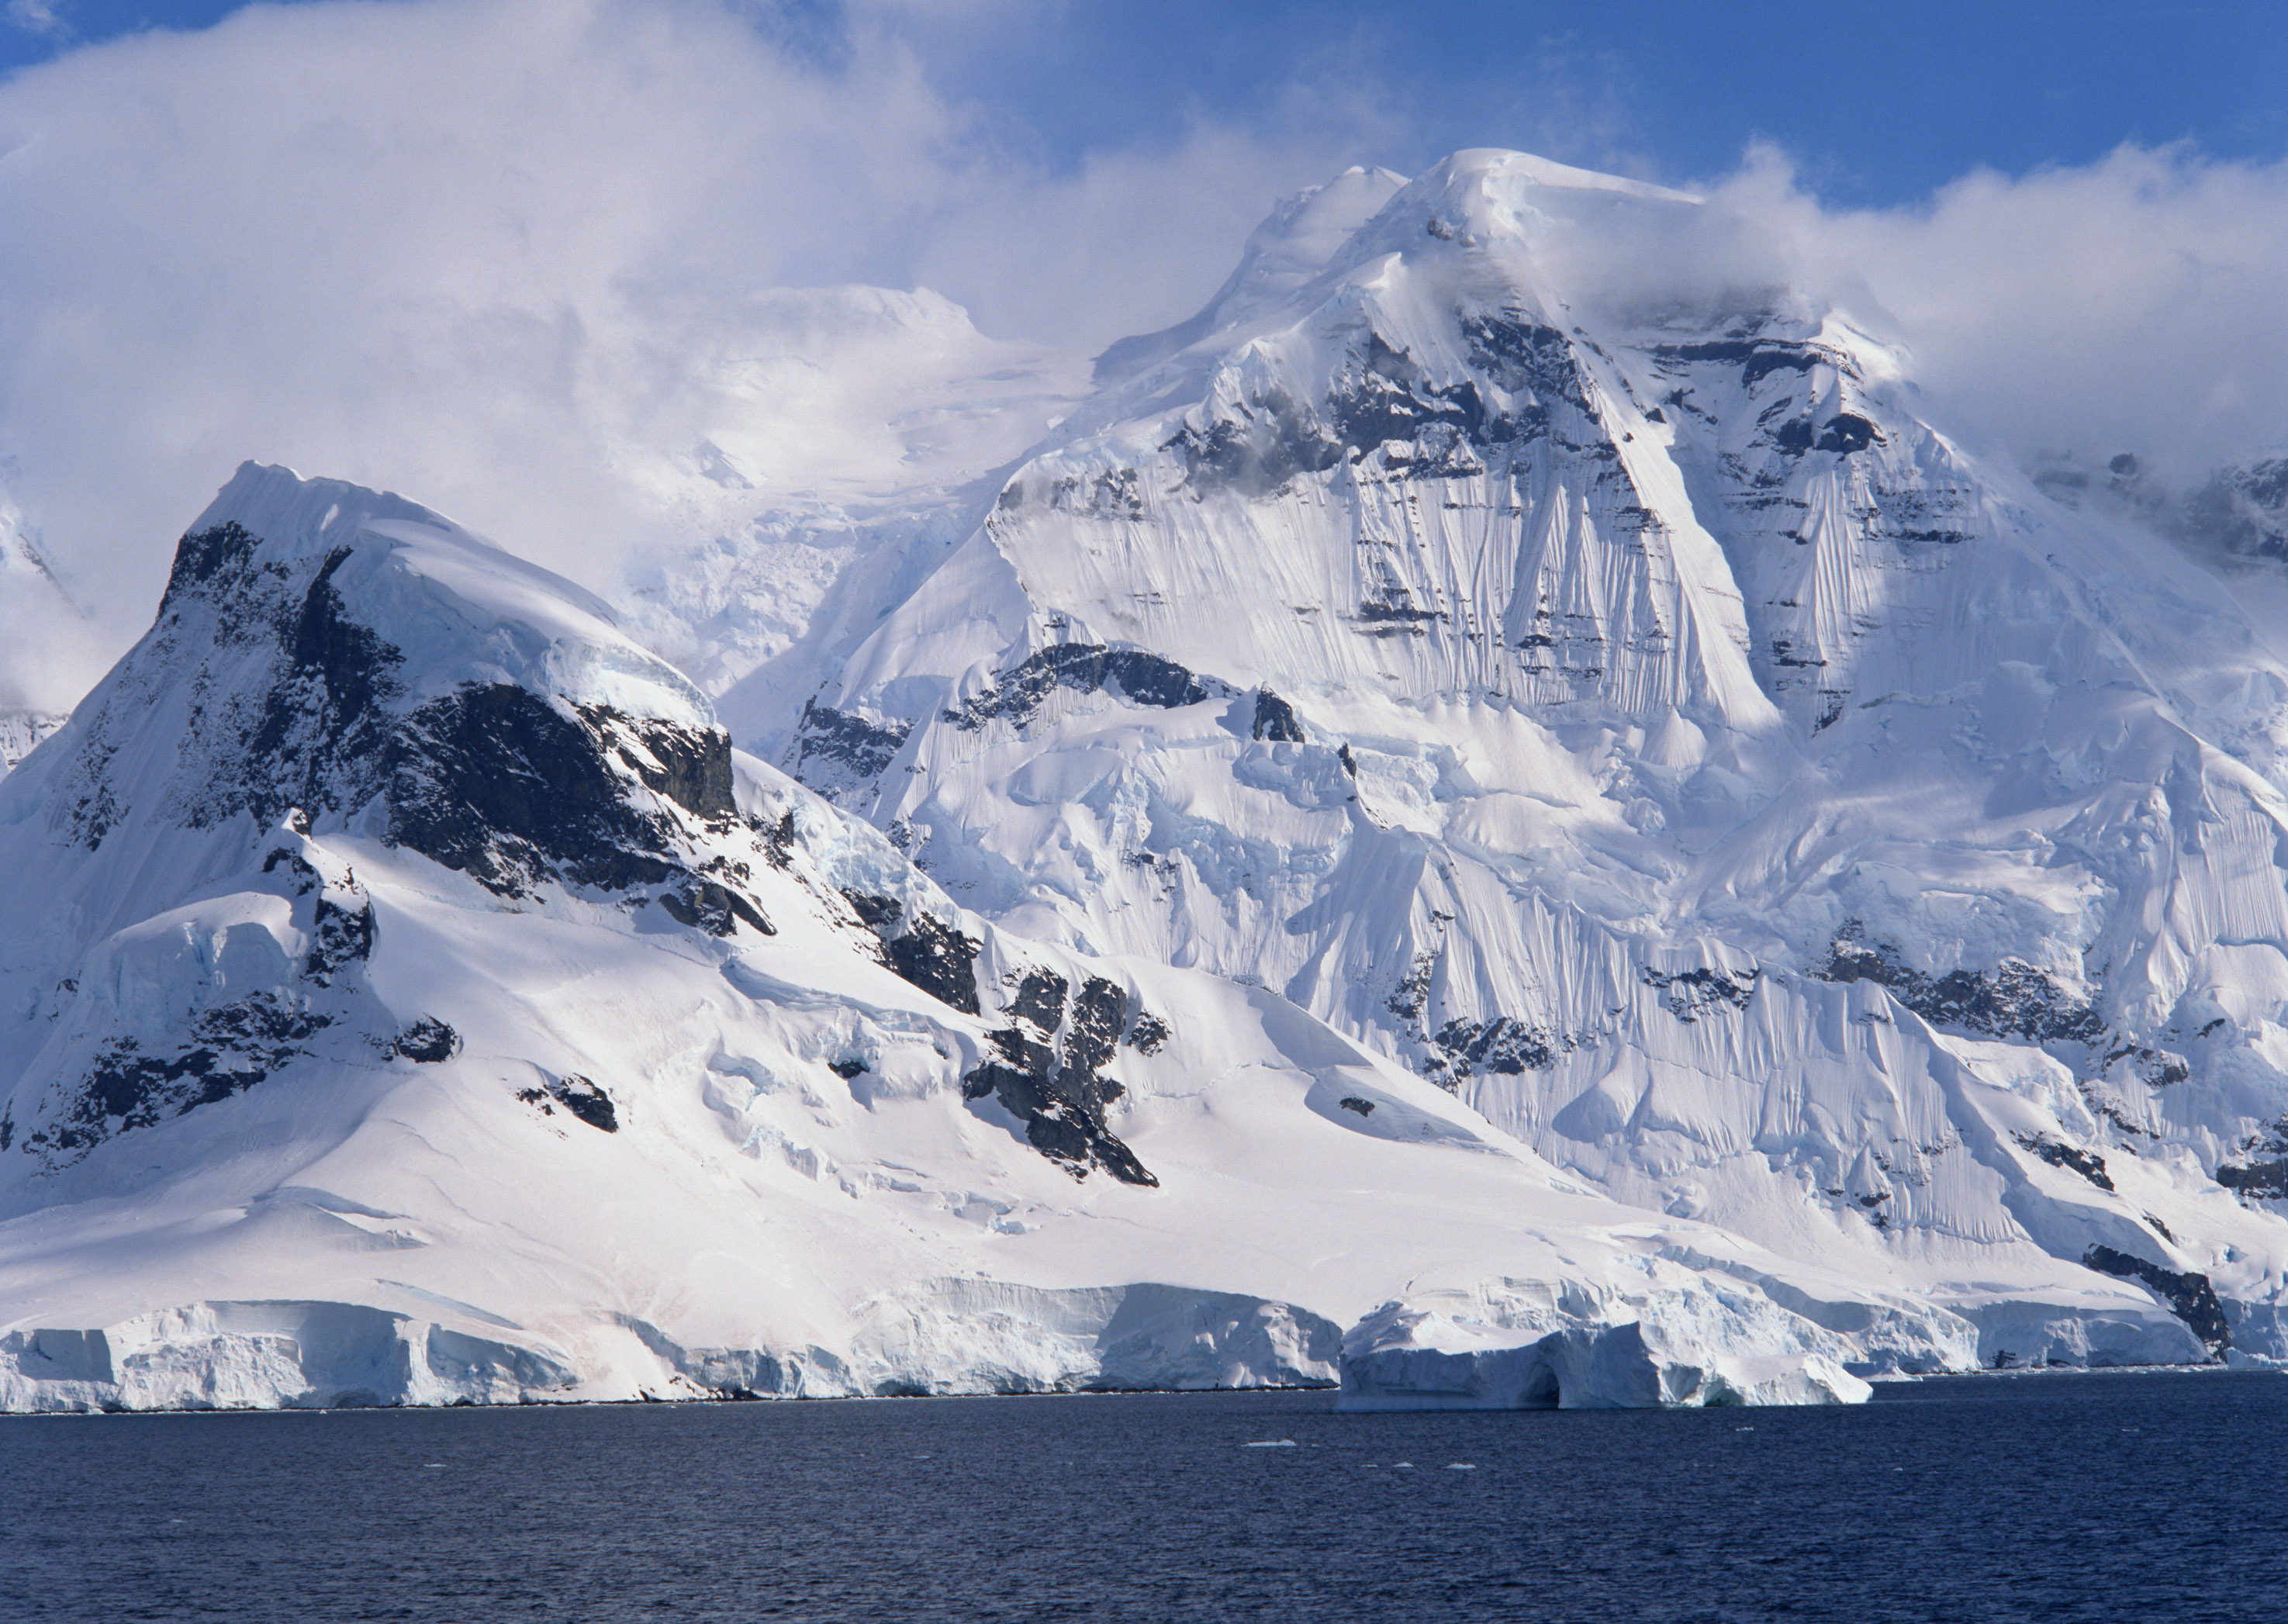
(31,603)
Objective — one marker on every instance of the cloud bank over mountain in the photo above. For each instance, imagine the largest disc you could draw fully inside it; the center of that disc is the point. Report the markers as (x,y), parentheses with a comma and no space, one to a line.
(508,253)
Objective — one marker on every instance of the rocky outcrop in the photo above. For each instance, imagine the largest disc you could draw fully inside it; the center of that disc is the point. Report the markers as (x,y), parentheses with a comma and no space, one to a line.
(1017,694)
(2189,1296)
(1049,1073)
(2012,999)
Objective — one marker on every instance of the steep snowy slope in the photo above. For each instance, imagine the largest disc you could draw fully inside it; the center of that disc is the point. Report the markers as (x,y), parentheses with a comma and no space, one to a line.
(407,994)
(1633,717)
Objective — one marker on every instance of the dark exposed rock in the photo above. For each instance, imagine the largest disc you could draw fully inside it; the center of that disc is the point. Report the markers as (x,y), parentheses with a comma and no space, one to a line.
(938,959)
(1395,608)
(831,743)
(1502,1045)
(1382,398)
(225,1050)
(1758,358)
(1049,1073)
(1843,433)
(1040,999)
(200,558)
(340,936)
(1526,360)
(2158,1067)
(2243,510)
(877,914)
(847,1069)
(1255,452)
(1275,719)
(1142,678)
(505,785)
(2263,1171)
(1352,1102)
(1116,494)
(2265,1180)
(428,1041)
(2089,1164)
(691,769)
(326,705)
(497,782)
(306,878)
(2013,1000)
(2189,1296)
(1148,1035)
(578,1095)
(716,909)
(779,840)
(1690,992)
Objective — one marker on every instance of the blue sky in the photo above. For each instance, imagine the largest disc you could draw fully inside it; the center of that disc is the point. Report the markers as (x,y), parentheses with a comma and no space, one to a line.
(1877,104)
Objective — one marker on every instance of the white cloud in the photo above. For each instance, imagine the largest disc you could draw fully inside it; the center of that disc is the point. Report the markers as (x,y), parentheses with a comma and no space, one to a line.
(493,253)
(460,247)
(2135,304)
(37,16)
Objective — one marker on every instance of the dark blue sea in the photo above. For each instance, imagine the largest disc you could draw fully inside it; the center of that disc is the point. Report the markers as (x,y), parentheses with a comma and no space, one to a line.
(2140,1497)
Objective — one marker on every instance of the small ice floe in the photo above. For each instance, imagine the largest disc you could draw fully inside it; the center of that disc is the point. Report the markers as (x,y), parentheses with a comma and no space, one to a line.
(1744,1429)
(1270,1443)
(1401,1466)
(433,1466)
(1461,1466)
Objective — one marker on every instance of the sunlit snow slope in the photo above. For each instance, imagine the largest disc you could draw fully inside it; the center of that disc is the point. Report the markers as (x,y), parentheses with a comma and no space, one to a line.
(407,994)
(1636,720)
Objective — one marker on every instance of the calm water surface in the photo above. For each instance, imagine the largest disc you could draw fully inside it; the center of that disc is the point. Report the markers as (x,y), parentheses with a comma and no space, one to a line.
(2100,1497)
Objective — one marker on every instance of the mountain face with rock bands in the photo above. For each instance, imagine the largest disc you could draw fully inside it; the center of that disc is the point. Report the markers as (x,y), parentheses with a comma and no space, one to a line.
(1450,833)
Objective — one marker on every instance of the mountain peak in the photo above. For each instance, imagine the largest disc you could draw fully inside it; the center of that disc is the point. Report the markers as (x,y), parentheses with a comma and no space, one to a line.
(455,608)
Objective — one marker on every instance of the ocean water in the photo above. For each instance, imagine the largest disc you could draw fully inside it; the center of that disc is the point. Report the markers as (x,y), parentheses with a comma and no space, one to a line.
(2132,1497)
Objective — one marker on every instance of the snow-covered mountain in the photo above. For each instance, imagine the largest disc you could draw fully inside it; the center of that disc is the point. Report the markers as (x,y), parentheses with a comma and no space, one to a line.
(1641,722)
(412,996)
(1450,829)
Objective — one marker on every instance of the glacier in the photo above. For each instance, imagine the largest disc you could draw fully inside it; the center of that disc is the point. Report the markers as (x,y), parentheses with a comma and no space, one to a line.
(1451,833)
